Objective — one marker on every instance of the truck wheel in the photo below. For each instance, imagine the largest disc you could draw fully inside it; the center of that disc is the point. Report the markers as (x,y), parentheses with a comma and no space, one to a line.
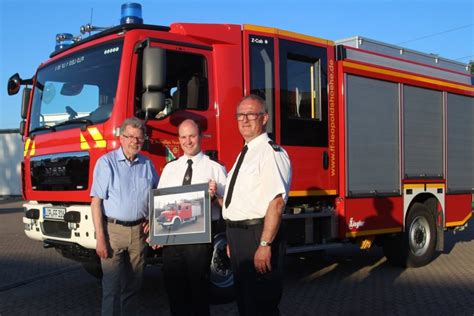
(93,268)
(176,223)
(221,276)
(416,246)
(420,236)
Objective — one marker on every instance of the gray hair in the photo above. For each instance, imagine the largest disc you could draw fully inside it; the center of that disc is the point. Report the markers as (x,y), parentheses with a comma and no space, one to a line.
(256,98)
(134,122)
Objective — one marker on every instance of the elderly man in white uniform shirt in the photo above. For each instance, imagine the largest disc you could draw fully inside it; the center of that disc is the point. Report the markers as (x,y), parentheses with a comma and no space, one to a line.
(255,196)
(186,267)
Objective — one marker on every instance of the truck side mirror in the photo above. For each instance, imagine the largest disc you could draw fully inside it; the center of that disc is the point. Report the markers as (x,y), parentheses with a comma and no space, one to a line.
(14,84)
(22,127)
(154,80)
(25,100)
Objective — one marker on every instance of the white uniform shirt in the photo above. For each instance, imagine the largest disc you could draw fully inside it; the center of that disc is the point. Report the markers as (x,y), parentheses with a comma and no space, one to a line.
(264,174)
(204,169)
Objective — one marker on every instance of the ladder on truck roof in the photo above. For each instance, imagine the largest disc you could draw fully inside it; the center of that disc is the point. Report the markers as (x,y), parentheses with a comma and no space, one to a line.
(370,51)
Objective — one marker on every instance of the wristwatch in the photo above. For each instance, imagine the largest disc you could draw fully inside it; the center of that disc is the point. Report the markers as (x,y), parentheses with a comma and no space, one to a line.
(265,243)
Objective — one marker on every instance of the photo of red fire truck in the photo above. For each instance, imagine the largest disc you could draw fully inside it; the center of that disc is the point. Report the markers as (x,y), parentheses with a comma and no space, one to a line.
(175,214)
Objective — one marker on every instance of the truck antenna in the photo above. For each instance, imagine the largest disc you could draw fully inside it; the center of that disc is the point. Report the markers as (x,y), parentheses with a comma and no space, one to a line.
(90,21)
(89,28)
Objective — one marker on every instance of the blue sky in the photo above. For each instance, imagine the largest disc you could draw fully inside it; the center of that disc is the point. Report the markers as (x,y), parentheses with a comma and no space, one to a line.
(28,28)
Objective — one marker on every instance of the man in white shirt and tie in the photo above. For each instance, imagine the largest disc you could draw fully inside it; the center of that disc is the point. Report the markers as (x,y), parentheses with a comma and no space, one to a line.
(254,201)
(186,267)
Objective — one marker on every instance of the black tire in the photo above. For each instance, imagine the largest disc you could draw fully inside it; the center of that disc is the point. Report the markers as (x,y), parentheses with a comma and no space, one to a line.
(221,276)
(93,268)
(416,246)
(176,224)
(420,236)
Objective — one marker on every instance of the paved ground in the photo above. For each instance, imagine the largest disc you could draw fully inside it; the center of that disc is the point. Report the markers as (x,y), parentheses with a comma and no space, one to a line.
(345,281)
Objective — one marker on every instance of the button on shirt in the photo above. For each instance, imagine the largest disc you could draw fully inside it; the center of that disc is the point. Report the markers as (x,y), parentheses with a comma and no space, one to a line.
(265,173)
(204,169)
(124,186)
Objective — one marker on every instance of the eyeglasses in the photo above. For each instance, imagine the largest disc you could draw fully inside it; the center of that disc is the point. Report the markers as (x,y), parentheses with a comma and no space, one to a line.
(138,139)
(248,116)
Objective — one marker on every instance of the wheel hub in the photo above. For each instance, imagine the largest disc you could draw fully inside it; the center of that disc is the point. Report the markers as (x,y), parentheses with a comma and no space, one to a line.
(419,235)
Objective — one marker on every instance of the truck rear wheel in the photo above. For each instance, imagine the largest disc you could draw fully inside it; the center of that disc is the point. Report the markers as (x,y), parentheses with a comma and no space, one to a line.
(416,246)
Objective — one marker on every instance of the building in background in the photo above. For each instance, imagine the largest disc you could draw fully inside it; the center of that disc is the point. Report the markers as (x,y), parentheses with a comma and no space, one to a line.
(11,154)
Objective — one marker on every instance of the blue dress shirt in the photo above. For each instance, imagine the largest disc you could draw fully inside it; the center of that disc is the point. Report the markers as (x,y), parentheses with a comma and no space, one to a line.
(124,186)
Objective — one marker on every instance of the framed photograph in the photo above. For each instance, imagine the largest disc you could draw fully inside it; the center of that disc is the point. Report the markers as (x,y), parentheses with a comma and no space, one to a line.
(180,215)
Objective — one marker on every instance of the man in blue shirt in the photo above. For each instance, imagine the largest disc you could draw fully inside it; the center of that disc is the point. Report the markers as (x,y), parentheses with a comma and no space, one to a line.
(120,194)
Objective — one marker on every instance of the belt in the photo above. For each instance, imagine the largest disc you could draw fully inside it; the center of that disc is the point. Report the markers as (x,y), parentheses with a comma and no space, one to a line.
(124,223)
(245,223)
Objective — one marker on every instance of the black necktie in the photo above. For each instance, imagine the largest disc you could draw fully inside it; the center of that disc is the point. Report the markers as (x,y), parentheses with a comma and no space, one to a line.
(234,176)
(188,174)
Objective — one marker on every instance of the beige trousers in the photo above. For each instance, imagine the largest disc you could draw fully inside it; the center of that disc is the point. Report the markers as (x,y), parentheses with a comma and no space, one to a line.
(123,270)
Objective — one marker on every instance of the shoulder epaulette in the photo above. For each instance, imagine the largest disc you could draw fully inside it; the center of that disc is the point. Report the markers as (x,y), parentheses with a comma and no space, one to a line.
(274,146)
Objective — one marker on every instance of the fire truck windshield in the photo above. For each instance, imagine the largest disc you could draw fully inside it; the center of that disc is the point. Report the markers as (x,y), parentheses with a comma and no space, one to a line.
(77,89)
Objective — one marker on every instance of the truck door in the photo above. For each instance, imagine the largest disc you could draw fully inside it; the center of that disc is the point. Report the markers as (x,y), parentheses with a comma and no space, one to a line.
(304,117)
(187,95)
(295,74)
(291,73)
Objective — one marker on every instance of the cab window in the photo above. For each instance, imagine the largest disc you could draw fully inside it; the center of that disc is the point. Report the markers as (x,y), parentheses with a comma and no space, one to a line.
(186,83)
(303,94)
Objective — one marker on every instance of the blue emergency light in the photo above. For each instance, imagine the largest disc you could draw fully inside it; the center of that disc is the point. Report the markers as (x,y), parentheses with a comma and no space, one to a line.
(63,40)
(131,13)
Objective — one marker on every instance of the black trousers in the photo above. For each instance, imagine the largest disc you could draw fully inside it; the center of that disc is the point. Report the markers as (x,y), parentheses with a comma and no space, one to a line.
(186,278)
(256,294)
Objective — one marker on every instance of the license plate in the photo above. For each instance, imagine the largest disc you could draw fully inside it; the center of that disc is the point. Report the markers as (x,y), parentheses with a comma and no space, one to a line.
(55,213)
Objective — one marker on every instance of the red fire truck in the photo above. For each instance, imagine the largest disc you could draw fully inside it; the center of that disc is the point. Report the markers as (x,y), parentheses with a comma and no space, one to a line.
(175,214)
(380,137)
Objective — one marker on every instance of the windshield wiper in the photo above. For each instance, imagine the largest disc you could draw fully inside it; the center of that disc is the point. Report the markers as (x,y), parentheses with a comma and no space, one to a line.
(81,121)
(43,128)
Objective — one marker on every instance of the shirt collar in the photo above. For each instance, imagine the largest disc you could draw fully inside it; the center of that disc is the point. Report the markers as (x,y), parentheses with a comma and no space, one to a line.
(194,158)
(257,140)
(121,156)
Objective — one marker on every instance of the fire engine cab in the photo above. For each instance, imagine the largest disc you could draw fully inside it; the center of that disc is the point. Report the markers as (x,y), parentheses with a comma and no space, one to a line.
(380,137)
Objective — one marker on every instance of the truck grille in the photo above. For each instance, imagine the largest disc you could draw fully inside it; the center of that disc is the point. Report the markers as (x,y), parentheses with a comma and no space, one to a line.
(60,172)
(56,229)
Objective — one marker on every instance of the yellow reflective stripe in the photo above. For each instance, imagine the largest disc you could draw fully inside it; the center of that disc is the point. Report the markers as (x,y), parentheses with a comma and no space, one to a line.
(460,223)
(414,186)
(407,76)
(312,192)
(374,232)
(27,145)
(97,136)
(422,186)
(84,144)
(33,148)
(271,30)
(435,185)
